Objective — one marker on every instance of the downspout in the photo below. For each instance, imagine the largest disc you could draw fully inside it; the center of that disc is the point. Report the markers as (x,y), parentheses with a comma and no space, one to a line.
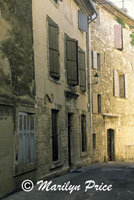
(88,49)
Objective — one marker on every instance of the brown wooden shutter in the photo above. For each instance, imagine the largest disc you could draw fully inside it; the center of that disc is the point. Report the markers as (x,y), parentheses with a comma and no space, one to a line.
(82,70)
(118,40)
(116,84)
(95,103)
(126,85)
(53,49)
(94,59)
(72,61)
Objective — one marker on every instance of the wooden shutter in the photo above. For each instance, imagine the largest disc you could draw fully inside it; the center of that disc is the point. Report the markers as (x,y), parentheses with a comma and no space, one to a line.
(82,71)
(126,85)
(95,103)
(122,85)
(118,40)
(94,59)
(72,61)
(82,21)
(53,49)
(116,84)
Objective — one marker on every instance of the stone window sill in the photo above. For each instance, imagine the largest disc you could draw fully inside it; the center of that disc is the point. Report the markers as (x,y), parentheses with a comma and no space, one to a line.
(22,169)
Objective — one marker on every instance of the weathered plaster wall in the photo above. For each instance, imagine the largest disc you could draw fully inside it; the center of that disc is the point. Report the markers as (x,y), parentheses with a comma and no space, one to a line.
(16,53)
(17,86)
(111,58)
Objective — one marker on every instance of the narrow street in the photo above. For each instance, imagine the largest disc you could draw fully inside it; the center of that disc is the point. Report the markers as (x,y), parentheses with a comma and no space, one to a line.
(119,175)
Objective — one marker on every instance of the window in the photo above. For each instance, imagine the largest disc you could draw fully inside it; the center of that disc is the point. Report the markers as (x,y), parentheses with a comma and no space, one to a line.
(118,36)
(53,49)
(55,135)
(82,70)
(72,61)
(82,21)
(26,145)
(83,133)
(120,85)
(94,141)
(95,60)
(99,103)
(96,103)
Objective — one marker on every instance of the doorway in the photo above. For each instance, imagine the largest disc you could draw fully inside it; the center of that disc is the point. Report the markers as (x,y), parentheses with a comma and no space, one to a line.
(70,115)
(110,145)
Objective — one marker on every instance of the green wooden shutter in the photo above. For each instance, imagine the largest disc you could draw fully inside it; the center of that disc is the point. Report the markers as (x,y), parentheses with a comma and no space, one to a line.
(82,71)
(72,61)
(53,49)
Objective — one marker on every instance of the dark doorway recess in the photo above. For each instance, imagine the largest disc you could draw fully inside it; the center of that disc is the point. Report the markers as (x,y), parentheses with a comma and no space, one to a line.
(110,145)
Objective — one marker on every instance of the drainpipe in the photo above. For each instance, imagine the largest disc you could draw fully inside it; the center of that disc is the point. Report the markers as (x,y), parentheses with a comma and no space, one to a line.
(88,49)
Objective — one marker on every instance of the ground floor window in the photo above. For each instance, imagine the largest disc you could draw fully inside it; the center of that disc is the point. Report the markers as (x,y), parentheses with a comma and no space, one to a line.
(83,133)
(55,135)
(26,138)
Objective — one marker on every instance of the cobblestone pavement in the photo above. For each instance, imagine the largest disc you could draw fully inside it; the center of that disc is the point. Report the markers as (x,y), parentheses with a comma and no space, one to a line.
(119,175)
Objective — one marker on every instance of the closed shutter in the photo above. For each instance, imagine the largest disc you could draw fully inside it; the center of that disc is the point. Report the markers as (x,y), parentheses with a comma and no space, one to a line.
(118,40)
(98,61)
(122,85)
(72,61)
(126,85)
(94,59)
(82,21)
(116,84)
(82,71)
(95,103)
(53,49)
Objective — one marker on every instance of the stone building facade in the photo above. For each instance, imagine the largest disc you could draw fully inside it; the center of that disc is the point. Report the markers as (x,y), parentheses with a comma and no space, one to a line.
(44,85)
(112,42)
(17,92)
(61,72)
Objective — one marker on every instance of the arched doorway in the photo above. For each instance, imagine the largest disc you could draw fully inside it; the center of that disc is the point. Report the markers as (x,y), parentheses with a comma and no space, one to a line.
(110,145)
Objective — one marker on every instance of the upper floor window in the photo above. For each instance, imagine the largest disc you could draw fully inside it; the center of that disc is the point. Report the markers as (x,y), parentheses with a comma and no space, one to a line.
(72,61)
(120,85)
(53,49)
(118,37)
(96,60)
(96,103)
